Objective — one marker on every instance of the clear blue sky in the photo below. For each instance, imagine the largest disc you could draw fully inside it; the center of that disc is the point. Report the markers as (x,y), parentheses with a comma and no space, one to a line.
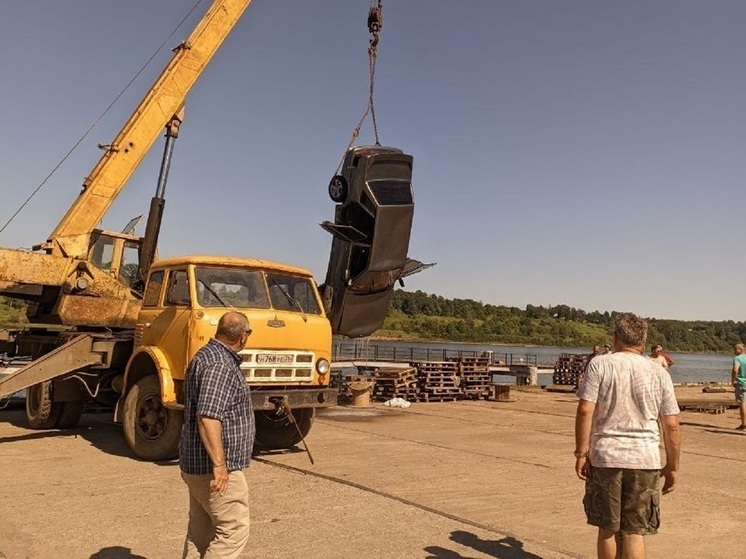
(578,152)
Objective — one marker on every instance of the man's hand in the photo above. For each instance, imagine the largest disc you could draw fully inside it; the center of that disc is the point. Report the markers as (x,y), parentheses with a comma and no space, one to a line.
(582,468)
(219,481)
(670,479)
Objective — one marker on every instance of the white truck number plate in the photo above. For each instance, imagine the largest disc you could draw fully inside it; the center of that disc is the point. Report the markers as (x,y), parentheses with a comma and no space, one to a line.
(274,359)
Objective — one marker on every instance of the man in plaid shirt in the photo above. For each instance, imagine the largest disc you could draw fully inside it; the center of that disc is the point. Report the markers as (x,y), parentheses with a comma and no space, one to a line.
(216,444)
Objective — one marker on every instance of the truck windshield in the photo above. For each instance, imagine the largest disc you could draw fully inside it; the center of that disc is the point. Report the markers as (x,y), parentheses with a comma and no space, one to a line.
(231,287)
(293,293)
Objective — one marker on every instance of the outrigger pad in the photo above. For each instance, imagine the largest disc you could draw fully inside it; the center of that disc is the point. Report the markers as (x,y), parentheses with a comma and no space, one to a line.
(371,230)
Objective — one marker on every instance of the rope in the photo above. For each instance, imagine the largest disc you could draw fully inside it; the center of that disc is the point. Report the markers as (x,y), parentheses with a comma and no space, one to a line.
(96,121)
(375,22)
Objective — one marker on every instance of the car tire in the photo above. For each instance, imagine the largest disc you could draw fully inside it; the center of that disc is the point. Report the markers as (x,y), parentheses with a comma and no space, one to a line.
(338,189)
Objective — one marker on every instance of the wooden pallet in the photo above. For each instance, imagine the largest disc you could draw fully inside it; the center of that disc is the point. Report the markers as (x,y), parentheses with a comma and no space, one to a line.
(428,397)
(396,383)
(706,406)
(568,369)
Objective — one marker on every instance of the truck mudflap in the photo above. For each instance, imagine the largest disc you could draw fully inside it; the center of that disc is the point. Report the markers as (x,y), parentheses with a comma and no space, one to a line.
(302,398)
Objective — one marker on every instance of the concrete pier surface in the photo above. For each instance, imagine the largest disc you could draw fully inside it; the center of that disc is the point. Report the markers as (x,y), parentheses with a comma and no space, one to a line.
(466,479)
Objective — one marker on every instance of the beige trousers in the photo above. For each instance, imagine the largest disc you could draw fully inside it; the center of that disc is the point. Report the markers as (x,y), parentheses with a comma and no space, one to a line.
(218,526)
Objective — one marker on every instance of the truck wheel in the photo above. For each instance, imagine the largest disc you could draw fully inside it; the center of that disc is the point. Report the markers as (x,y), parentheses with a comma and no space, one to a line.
(41,412)
(70,414)
(276,432)
(152,430)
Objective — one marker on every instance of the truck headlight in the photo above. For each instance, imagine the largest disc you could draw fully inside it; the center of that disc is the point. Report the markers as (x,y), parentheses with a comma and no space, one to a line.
(322,366)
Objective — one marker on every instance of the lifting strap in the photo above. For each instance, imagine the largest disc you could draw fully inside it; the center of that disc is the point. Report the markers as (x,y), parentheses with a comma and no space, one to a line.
(375,22)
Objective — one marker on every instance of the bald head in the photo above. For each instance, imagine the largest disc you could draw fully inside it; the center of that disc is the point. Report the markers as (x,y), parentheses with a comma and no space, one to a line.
(232,328)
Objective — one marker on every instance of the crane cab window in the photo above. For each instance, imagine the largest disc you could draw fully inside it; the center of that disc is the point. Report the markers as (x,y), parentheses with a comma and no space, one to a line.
(102,252)
(178,289)
(153,290)
(130,263)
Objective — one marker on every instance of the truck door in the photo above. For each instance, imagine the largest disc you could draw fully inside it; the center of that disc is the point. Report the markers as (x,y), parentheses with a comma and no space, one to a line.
(166,323)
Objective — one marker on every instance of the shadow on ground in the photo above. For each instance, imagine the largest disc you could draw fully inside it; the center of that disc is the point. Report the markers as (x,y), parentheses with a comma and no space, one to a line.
(101,432)
(503,548)
(96,428)
(116,552)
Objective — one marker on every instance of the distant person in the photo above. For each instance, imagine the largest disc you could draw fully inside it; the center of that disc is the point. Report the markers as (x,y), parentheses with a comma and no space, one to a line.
(656,354)
(668,358)
(596,353)
(607,349)
(738,378)
(616,441)
(216,443)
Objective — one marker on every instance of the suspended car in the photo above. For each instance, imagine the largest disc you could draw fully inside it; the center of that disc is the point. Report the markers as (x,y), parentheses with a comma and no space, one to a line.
(371,229)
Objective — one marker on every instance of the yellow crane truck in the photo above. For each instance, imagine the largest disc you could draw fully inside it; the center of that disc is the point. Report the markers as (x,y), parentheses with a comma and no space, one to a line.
(109,323)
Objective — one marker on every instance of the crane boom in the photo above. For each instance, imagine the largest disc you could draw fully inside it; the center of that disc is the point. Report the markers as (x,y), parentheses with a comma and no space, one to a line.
(71,237)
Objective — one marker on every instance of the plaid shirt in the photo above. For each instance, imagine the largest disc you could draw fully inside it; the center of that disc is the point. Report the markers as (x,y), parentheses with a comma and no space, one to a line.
(216,388)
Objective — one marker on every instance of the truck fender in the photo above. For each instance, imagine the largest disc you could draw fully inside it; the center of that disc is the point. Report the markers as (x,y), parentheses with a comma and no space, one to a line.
(148,361)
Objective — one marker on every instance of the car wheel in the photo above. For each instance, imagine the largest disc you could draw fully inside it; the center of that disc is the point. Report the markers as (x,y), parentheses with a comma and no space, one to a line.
(338,189)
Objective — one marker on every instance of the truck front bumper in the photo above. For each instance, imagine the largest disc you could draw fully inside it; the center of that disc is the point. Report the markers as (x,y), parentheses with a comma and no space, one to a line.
(302,398)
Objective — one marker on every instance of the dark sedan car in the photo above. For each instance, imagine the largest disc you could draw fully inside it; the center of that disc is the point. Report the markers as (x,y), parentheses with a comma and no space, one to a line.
(371,229)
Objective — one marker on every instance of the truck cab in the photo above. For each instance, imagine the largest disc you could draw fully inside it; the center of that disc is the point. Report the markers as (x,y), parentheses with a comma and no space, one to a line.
(287,356)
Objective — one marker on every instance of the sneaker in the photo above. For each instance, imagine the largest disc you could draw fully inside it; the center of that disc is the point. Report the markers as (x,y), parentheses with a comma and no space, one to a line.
(741,428)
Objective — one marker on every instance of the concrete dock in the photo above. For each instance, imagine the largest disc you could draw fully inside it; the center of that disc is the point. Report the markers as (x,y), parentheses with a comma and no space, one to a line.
(466,479)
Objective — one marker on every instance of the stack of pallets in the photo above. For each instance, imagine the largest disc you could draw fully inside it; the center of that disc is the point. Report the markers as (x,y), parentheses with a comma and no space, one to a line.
(395,383)
(438,381)
(475,377)
(568,370)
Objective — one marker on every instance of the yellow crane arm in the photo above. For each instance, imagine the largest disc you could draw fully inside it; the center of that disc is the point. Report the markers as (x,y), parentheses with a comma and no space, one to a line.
(165,99)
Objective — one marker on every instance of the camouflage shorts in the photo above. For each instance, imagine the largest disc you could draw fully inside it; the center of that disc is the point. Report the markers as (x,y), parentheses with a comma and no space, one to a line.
(621,499)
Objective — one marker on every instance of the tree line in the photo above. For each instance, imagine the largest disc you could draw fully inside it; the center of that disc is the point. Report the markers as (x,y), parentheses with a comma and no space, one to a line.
(422,316)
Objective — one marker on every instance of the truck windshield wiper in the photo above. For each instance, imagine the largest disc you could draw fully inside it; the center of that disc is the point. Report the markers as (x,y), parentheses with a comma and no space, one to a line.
(290,298)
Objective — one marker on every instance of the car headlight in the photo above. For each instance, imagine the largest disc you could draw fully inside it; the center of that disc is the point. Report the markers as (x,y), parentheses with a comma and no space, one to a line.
(322,366)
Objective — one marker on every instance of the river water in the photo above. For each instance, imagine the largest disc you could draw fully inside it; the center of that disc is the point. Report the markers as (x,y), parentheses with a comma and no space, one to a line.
(689,367)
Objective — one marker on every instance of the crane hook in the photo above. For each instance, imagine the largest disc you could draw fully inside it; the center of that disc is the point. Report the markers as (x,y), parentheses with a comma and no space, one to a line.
(375,22)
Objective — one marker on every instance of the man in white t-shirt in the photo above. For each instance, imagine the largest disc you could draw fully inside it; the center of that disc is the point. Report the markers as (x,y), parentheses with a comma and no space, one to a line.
(656,354)
(617,437)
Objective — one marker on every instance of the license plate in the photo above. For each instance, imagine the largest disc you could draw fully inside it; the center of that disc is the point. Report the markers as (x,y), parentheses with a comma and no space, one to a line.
(274,359)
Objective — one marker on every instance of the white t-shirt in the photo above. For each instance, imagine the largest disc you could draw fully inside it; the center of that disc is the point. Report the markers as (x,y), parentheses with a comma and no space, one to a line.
(660,360)
(630,392)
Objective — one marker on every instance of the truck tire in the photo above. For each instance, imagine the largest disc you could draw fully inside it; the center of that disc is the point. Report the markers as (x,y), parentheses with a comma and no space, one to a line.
(152,430)
(70,414)
(41,412)
(275,432)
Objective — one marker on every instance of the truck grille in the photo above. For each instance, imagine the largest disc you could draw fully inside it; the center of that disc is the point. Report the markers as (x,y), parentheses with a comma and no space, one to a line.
(277,366)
